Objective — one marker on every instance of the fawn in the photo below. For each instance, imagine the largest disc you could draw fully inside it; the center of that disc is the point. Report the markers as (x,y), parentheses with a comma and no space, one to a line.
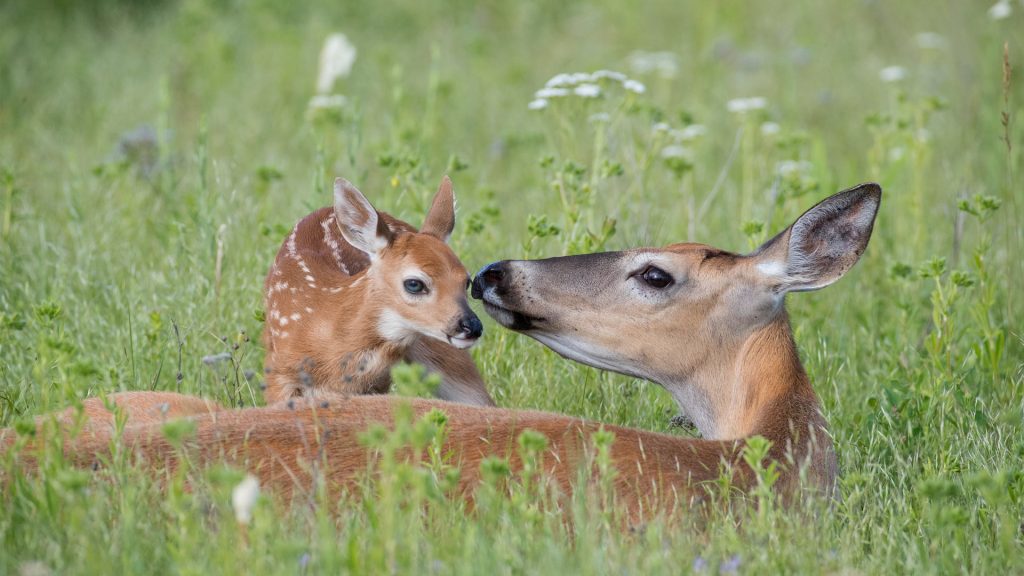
(708,325)
(353,291)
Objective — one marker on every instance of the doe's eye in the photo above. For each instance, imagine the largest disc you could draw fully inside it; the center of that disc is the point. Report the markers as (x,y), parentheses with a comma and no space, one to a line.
(414,286)
(656,277)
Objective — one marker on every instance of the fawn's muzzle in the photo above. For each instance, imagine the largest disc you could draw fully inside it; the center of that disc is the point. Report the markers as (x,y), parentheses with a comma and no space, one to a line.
(467,329)
(470,326)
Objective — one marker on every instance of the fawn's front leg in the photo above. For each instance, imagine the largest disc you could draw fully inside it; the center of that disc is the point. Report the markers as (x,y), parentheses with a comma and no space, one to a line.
(460,379)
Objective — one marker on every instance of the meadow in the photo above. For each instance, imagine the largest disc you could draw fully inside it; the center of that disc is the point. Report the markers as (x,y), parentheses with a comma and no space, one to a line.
(154,154)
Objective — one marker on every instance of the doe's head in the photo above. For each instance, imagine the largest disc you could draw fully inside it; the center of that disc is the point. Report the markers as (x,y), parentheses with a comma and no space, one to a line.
(657,313)
(418,283)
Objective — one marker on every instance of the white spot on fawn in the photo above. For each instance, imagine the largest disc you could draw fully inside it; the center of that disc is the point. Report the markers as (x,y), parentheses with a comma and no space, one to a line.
(295,317)
(333,243)
(283,321)
(309,310)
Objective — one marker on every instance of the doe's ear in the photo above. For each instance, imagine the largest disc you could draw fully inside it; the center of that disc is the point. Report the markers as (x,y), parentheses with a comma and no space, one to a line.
(440,220)
(358,221)
(823,243)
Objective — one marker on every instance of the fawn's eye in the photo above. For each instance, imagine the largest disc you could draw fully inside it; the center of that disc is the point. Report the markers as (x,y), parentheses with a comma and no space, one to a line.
(655,277)
(414,286)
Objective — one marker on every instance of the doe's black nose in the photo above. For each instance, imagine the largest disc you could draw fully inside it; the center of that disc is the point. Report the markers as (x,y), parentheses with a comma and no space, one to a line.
(494,276)
(470,326)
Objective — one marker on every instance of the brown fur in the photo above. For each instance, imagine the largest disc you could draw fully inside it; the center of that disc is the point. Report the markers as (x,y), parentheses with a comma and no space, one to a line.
(287,448)
(324,301)
(720,341)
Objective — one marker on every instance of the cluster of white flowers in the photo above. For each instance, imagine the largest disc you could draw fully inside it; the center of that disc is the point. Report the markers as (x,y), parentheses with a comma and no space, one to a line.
(679,138)
(583,85)
(677,151)
(662,63)
(892,73)
(791,168)
(770,129)
(336,59)
(744,105)
(686,134)
(1000,10)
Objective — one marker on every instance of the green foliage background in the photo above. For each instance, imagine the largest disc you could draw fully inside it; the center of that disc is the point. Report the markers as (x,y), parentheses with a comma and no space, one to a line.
(109,275)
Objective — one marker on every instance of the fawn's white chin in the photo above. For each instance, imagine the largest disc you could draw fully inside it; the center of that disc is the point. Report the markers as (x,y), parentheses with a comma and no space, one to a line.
(460,342)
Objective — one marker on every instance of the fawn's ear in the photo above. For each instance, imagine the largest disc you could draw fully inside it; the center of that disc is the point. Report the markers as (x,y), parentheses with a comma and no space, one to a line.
(358,221)
(440,220)
(823,243)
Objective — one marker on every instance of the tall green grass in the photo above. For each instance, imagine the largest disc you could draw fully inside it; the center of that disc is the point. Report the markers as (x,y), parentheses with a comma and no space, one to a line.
(109,276)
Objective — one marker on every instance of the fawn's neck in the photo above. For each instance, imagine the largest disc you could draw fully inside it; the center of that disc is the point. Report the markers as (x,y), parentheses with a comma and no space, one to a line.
(352,344)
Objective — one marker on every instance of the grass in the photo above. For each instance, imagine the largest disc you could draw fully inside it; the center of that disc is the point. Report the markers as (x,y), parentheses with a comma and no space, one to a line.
(109,274)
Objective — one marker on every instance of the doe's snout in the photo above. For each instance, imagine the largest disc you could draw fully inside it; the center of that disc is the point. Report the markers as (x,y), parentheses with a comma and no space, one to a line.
(493,276)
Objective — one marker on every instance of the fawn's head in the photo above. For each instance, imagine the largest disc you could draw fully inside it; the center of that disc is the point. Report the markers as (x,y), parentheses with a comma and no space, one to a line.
(667,313)
(415,280)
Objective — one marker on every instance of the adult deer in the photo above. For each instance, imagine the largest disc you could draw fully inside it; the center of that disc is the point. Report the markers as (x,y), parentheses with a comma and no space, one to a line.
(353,291)
(708,325)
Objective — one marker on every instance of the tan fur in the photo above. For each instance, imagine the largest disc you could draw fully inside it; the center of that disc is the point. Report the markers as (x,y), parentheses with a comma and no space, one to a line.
(325,301)
(720,342)
(287,448)
(138,407)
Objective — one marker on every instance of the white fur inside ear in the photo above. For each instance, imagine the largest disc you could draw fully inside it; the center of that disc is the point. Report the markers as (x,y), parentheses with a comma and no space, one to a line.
(772,268)
(358,225)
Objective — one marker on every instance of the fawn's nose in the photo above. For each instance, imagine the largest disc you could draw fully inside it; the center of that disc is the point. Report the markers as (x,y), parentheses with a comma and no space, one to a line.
(494,276)
(470,326)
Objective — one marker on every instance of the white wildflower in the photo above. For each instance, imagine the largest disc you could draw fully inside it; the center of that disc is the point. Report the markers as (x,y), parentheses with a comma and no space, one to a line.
(661,127)
(545,93)
(578,77)
(609,75)
(930,41)
(744,105)
(336,59)
(892,73)
(1000,10)
(792,167)
(922,135)
(634,86)
(243,498)
(588,90)
(600,118)
(676,151)
(538,104)
(664,63)
(770,129)
(327,101)
(558,80)
(896,154)
(691,132)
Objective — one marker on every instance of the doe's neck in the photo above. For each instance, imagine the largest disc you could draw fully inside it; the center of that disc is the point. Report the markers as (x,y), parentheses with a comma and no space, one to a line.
(760,387)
